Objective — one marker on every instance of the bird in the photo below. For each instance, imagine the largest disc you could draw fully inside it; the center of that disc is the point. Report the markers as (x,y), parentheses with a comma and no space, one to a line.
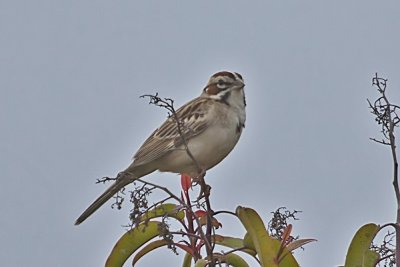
(211,126)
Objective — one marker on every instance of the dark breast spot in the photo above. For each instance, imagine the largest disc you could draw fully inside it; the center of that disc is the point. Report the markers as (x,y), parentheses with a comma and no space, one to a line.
(239,128)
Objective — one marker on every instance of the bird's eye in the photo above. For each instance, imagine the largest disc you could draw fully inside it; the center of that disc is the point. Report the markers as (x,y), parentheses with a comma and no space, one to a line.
(221,84)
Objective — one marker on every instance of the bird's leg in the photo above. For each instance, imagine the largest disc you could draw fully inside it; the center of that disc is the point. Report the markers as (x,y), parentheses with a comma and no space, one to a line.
(200,176)
(204,188)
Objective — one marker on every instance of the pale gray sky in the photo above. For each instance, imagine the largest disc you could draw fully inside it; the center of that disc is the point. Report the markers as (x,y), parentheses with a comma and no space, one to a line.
(71,73)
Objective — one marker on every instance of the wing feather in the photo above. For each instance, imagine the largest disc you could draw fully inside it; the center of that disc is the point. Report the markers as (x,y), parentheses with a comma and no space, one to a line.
(166,138)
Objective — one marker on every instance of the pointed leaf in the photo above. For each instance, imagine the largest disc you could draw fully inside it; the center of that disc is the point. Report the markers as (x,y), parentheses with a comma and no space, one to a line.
(286,259)
(295,244)
(148,248)
(248,242)
(227,241)
(201,263)
(286,233)
(233,259)
(156,244)
(266,247)
(234,243)
(284,240)
(263,243)
(187,261)
(185,248)
(130,242)
(359,254)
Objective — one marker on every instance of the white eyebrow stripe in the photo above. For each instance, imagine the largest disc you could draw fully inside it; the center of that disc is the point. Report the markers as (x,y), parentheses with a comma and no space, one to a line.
(237,77)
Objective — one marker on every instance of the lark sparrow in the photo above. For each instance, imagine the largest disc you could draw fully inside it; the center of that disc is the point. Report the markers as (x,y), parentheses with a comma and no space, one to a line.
(211,124)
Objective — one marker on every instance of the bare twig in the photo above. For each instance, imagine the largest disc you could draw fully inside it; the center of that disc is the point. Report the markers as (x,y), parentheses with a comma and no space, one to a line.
(225,212)
(168,104)
(279,222)
(386,115)
(386,249)
(166,190)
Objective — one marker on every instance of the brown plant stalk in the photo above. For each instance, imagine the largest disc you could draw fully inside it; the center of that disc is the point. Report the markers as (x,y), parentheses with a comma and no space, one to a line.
(386,115)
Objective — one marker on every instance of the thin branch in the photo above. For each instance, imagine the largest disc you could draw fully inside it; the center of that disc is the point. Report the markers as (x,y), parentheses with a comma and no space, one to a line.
(168,103)
(384,258)
(166,190)
(395,226)
(386,115)
(382,142)
(185,234)
(225,212)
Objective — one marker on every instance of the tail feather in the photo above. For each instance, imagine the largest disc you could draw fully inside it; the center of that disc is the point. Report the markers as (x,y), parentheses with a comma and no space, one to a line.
(111,191)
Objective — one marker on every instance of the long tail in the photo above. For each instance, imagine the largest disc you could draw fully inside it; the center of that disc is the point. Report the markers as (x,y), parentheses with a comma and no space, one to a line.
(111,191)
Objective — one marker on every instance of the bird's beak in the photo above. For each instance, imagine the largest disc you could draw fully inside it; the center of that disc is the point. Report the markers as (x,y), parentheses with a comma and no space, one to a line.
(239,83)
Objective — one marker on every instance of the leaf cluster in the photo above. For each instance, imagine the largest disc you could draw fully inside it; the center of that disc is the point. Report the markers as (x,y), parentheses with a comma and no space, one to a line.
(153,229)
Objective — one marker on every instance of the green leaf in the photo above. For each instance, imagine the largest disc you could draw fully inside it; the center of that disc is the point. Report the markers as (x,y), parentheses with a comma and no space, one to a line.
(286,259)
(148,248)
(231,242)
(160,243)
(258,238)
(359,254)
(371,258)
(234,243)
(263,243)
(248,242)
(130,242)
(167,209)
(295,244)
(187,261)
(201,263)
(233,259)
